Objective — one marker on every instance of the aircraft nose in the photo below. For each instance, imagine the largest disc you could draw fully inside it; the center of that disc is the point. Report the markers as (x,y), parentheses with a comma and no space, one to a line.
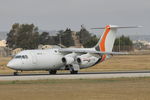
(12,64)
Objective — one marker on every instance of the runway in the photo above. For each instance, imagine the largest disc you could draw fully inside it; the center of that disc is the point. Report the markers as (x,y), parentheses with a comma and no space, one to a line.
(81,75)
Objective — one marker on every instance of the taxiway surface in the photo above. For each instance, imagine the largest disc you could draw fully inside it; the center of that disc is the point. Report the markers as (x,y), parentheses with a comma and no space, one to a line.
(81,75)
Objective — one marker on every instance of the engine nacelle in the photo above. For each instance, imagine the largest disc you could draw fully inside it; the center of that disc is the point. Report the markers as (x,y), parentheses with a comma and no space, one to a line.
(69,59)
(86,60)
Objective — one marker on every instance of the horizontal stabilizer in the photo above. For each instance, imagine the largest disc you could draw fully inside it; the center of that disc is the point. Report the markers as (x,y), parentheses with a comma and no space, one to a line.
(115,26)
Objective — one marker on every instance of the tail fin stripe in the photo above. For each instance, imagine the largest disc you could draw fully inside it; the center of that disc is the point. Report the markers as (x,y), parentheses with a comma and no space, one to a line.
(102,42)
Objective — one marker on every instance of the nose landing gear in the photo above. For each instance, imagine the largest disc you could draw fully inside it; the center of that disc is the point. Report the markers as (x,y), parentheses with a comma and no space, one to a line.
(52,72)
(16,73)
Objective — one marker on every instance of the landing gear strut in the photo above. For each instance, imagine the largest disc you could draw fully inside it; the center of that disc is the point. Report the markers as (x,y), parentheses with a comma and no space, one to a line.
(74,68)
(73,72)
(53,72)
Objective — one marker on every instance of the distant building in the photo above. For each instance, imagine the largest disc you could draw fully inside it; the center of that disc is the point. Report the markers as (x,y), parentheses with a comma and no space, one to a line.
(141,45)
(3,43)
(4,51)
(76,39)
(15,51)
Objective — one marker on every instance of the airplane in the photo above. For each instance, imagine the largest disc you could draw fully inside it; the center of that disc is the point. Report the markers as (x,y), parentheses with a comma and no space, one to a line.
(72,59)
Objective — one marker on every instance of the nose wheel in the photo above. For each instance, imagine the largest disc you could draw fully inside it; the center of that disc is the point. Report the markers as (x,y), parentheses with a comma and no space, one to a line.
(15,73)
(52,72)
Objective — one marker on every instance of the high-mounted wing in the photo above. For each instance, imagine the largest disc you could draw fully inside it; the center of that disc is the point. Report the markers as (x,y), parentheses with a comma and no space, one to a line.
(75,50)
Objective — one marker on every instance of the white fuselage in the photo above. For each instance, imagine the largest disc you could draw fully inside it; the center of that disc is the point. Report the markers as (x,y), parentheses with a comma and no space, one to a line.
(49,59)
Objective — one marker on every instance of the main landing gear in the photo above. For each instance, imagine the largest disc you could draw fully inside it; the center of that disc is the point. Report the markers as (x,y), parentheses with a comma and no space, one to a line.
(73,72)
(17,72)
(74,68)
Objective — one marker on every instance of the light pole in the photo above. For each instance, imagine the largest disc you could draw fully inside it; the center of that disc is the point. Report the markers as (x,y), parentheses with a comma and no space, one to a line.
(119,44)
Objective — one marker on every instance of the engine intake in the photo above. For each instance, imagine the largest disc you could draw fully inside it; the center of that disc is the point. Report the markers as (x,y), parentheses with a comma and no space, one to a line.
(64,60)
(69,59)
(79,60)
(84,59)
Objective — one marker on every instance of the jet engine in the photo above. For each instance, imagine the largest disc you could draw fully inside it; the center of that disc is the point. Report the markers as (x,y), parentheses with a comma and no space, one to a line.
(86,60)
(69,59)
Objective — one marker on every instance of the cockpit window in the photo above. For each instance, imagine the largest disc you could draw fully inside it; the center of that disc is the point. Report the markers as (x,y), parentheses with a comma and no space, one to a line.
(18,56)
(21,57)
(26,56)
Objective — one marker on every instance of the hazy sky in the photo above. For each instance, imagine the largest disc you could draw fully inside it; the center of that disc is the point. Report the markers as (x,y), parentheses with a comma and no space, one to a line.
(59,14)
